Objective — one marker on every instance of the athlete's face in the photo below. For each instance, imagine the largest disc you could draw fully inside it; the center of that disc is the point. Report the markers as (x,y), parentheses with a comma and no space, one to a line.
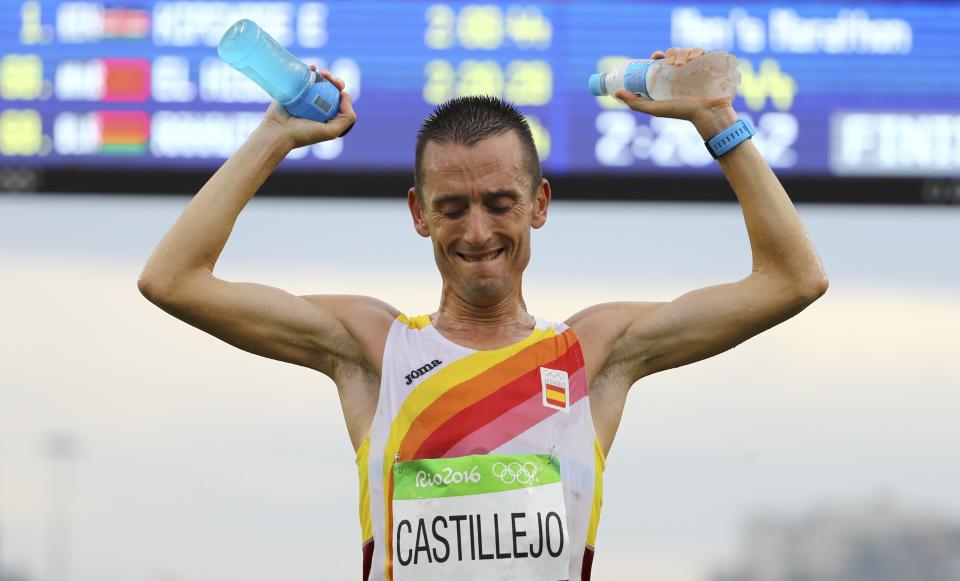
(478,208)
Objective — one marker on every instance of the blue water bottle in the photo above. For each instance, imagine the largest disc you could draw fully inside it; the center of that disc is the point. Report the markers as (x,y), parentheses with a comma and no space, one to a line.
(303,93)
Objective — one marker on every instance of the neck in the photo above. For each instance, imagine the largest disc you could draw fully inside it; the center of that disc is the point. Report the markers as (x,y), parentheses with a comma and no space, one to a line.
(503,321)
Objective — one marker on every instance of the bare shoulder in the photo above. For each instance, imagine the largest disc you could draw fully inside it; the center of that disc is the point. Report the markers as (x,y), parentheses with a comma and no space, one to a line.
(365,323)
(599,328)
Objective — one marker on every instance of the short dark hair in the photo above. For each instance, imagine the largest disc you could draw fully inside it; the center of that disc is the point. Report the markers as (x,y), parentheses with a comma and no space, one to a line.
(468,120)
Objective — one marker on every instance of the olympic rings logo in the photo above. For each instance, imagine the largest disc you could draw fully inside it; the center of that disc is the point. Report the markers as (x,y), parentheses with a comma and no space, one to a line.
(525,473)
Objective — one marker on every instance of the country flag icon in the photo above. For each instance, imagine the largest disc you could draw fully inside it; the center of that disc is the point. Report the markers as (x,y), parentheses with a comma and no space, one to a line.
(127,80)
(123,132)
(556,388)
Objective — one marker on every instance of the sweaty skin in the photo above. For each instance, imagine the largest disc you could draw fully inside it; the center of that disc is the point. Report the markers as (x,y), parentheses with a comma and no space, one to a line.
(479,210)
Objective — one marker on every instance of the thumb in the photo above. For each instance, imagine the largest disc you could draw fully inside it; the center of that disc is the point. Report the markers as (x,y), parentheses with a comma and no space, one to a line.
(636,103)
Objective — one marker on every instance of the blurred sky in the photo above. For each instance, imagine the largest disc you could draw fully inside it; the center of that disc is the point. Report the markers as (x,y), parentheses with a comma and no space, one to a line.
(198,461)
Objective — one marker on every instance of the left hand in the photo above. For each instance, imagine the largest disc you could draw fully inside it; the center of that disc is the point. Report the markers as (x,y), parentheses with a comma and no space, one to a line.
(705,113)
(299,131)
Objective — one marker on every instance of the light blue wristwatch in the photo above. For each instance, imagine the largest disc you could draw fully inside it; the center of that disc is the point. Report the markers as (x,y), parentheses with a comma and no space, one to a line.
(730,137)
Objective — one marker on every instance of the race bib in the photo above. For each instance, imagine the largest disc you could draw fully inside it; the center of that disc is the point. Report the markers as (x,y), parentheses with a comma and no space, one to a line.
(480,517)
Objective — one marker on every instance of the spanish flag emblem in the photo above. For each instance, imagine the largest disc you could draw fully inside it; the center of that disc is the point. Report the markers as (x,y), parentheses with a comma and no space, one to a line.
(556,388)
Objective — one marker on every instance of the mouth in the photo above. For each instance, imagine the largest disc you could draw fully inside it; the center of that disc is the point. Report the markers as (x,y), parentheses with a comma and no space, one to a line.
(486,257)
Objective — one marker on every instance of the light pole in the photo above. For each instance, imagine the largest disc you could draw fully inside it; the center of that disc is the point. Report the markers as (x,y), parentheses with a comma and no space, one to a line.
(2,573)
(61,449)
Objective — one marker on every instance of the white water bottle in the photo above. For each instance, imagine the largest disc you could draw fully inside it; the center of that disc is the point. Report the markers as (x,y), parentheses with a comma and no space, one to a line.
(713,74)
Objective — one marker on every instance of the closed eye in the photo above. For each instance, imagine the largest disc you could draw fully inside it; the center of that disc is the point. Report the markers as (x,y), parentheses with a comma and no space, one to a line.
(502,203)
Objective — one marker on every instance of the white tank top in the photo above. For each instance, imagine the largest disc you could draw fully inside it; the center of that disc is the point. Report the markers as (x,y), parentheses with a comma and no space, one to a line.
(440,400)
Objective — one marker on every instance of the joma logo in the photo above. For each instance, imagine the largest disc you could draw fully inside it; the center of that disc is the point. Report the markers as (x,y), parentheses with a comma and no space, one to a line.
(422,370)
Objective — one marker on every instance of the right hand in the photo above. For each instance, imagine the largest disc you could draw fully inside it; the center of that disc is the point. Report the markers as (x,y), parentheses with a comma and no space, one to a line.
(709,115)
(306,131)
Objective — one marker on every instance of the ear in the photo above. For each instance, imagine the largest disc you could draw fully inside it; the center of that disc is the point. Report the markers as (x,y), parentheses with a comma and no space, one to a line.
(542,201)
(416,211)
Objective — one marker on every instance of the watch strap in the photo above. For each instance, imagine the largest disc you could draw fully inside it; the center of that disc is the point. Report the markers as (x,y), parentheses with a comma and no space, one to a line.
(730,137)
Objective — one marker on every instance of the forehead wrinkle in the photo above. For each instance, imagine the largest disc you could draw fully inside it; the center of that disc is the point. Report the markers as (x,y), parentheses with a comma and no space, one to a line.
(467,166)
(441,199)
(470,167)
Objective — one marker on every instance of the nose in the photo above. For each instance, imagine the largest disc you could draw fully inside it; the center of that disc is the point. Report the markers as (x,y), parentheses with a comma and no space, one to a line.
(477,228)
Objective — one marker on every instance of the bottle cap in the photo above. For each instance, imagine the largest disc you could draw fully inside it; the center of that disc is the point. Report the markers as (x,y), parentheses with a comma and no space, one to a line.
(596,84)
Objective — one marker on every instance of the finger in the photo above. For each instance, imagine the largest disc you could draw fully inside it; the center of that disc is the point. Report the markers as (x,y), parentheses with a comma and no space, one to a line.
(347,117)
(629,99)
(626,96)
(347,130)
(337,82)
(650,107)
(346,105)
(657,54)
(671,55)
(691,53)
(688,54)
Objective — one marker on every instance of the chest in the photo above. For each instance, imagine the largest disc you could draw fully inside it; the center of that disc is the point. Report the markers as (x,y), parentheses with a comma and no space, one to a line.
(443,403)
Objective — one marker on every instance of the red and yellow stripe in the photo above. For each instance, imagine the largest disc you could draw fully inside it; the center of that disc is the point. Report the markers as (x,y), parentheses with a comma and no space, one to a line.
(423,424)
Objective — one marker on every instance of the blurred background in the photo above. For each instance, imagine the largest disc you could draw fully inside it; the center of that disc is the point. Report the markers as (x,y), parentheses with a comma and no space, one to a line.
(134,447)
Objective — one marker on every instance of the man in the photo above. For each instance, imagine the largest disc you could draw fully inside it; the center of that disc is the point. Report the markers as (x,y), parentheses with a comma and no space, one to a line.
(481,430)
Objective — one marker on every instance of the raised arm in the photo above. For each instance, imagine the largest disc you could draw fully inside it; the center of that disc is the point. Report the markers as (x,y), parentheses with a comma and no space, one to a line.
(627,341)
(320,332)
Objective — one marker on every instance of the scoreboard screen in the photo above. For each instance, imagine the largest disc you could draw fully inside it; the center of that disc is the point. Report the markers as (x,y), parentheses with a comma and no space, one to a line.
(835,89)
